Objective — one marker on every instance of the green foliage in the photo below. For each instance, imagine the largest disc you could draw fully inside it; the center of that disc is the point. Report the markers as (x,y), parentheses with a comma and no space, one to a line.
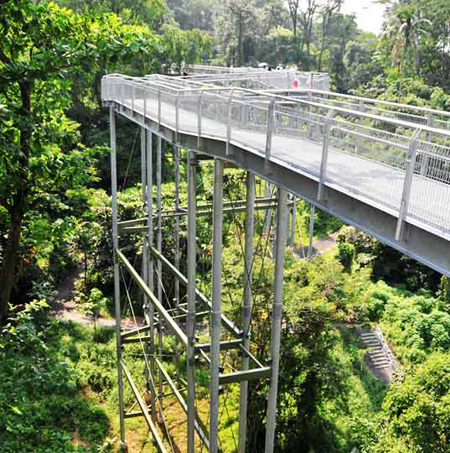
(388,264)
(416,410)
(317,297)
(346,255)
(41,407)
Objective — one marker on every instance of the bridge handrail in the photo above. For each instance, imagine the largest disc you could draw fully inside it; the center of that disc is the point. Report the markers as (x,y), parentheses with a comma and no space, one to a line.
(377,101)
(401,148)
(393,121)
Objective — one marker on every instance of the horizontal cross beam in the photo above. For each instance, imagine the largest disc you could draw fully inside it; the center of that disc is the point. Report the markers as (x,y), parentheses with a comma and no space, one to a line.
(248,375)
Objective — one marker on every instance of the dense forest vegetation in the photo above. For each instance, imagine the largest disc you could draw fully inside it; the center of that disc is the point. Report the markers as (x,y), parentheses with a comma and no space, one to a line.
(58,381)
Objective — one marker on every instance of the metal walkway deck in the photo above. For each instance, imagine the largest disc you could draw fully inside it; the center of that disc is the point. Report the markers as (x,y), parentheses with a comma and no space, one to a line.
(387,176)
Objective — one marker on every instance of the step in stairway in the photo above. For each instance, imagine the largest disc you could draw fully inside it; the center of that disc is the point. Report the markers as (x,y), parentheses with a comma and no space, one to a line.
(377,354)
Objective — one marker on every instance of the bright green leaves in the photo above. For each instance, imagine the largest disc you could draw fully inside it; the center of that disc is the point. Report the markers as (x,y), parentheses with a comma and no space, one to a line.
(417,410)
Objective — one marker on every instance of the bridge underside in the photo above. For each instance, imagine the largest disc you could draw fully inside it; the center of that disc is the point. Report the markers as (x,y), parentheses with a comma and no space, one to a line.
(425,246)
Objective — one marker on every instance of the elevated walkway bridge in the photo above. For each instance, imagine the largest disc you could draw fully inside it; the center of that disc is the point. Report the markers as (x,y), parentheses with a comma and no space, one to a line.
(382,167)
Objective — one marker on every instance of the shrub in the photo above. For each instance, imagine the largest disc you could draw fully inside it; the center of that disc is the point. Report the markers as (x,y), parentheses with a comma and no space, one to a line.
(346,255)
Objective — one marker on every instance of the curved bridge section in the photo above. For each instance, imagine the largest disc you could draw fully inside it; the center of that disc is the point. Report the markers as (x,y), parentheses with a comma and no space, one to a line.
(385,174)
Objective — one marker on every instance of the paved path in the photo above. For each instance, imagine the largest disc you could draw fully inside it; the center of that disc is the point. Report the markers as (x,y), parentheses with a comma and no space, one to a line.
(320,246)
(64,307)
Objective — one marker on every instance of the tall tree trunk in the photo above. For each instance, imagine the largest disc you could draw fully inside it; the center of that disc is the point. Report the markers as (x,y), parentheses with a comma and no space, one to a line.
(400,91)
(319,65)
(240,40)
(17,210)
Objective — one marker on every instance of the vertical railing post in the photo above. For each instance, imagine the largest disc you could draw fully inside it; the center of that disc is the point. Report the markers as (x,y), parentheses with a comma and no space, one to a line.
(407,184)
(325,148)
(247,305)
(359,140)
(191,271)
(229,121)
(425,157)
(115,234)
(199,119)
(145,106)
(216,312)
(309,127)
(270,128)
(132,99)
(159,108)
(280,244)
(177,117)
(150,309)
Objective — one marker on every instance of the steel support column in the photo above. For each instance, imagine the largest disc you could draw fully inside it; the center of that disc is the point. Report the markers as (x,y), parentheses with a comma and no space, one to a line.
(216,311)
(144,272)
(144,268)
(177,223)
(281,233)
(191,271)
(112,123)
(247,305)
(159,248)
(150,279)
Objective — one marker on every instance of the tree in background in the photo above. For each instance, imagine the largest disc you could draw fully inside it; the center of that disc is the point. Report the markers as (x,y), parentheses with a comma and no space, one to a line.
(307,16)
(233,28)
(327,11)
(149,12)
(404,26)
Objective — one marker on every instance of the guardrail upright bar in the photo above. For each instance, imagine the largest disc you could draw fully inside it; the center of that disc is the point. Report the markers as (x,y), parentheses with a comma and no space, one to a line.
(199,119)
(177,118)
(150,308)
(159,108)
(145,106)
(216,312)
(281,233)
(270,128)
(325,147)
(407,184)
(425,157)
(247,305)
(229,120)
(191,271)
(115,233)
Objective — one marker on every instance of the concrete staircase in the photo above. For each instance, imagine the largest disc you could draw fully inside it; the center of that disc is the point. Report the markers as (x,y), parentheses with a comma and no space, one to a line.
(377,353)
